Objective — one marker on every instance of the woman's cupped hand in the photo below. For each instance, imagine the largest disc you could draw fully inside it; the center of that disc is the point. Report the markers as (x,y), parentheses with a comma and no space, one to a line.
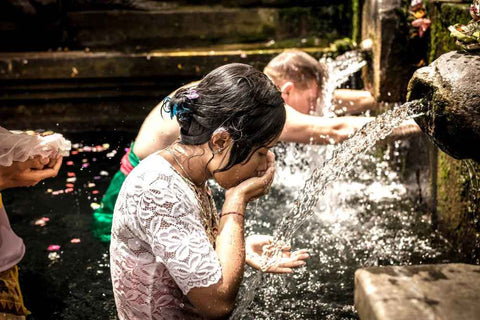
(257,249)
(258,186)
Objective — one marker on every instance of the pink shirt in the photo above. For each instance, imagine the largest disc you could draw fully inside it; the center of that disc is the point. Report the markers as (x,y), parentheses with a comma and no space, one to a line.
(12,248)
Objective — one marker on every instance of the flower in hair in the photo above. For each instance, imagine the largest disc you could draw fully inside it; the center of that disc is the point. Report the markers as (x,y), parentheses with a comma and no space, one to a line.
(175,109)
(192,94)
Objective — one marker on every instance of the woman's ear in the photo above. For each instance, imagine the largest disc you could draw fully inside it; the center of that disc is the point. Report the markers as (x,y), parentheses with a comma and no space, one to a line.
(220,140)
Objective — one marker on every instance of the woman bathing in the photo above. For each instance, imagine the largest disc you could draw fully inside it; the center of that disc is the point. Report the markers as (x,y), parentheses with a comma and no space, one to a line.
(172,256)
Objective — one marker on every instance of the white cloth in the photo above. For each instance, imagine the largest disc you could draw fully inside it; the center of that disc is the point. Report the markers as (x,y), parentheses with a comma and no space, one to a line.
(19,146)
(159,248)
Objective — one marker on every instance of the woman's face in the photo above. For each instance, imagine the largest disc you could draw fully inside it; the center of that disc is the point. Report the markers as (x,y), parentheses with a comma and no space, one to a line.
(256,166)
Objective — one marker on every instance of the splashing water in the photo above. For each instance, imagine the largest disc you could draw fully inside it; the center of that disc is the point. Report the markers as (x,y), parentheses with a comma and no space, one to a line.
(343,161)
(344,66)
(339,71)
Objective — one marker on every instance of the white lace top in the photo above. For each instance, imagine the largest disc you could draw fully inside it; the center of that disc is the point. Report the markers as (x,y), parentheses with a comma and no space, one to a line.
(159,248)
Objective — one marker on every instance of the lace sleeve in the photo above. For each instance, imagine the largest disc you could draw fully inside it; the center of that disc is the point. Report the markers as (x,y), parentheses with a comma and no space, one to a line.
(178,237)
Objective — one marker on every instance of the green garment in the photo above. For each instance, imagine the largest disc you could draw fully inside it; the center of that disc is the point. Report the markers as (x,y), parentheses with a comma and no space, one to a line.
(102,217)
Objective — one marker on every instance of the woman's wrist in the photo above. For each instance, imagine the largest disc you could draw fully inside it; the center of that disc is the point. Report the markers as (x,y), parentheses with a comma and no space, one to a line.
(234,205)
(232,214)
(235,196)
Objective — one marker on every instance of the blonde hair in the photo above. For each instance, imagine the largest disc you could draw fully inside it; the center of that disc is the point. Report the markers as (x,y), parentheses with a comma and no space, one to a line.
(298,67)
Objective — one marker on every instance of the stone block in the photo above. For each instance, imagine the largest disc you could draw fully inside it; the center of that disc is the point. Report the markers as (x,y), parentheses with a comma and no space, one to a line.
(395,55)
(443,291)
(185,27)
(140,30)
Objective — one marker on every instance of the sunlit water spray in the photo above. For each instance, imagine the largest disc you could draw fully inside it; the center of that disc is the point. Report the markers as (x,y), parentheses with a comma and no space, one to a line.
(343,160)
(339,70)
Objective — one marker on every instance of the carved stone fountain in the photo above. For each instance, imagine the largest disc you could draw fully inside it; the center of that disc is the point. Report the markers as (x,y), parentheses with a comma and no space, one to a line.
(451,84)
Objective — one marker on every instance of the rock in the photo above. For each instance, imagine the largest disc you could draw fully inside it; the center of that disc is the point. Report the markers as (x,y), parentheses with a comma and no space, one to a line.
(444,291)
(451,84)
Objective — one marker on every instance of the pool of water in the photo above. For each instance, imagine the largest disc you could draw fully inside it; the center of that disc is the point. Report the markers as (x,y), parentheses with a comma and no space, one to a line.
(369,218)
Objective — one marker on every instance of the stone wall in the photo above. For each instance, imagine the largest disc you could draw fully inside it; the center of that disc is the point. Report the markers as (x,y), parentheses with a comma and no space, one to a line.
(135,25)
(457,186)
(458,207)
(395,55)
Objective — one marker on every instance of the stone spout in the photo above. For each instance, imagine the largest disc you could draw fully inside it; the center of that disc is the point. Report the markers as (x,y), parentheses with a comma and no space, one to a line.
(451,84)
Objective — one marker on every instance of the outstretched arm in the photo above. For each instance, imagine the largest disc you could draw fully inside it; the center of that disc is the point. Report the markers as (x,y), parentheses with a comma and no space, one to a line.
(304,128)
(349,101)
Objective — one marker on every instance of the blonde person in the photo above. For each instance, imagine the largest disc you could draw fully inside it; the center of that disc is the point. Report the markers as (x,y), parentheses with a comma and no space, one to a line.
(172,256)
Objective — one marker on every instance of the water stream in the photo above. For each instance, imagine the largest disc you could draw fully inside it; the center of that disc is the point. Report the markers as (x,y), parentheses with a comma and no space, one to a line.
(339,70)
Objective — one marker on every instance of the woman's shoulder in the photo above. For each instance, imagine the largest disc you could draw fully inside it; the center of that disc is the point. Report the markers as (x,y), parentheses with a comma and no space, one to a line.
(156,175)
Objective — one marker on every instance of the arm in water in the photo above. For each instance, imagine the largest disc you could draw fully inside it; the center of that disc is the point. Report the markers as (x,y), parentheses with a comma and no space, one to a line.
(304,128)
(349,101)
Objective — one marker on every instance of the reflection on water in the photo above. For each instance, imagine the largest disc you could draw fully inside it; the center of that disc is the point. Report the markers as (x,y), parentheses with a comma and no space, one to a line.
(368,218)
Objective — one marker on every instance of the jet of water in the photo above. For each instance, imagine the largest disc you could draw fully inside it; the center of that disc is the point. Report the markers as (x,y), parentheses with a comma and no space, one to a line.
(339,71)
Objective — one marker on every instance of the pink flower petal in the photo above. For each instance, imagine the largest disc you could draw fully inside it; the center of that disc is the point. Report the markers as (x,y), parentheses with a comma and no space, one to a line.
(53,247)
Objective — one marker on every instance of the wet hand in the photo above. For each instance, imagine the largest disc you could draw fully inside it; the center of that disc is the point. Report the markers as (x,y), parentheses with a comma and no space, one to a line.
(29,172)
(256,245)
(256,187)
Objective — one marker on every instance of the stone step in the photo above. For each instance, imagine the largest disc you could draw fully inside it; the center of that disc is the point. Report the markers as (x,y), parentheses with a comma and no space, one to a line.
(253,3)
(443,292)
(194,26)
(106,90)
(80,74)
(172,27)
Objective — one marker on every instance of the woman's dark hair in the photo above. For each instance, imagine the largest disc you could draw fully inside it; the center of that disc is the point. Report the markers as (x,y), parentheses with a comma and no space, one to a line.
(236,97)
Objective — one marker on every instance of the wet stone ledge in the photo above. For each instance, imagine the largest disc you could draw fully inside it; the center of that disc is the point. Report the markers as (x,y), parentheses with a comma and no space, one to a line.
(104,89)
(78,74)
(140,30)
(443,291)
